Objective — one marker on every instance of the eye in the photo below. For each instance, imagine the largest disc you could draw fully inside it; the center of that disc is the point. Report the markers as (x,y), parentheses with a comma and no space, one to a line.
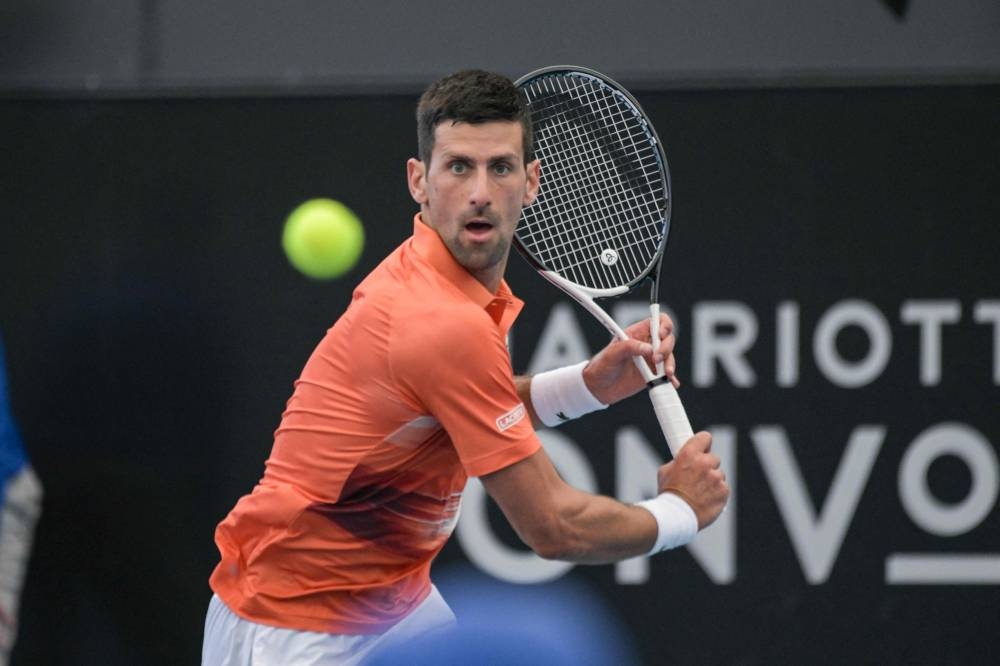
(458,168)
(501,168)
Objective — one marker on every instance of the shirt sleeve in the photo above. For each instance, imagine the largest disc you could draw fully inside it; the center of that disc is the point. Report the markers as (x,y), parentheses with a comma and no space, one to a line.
(461,373)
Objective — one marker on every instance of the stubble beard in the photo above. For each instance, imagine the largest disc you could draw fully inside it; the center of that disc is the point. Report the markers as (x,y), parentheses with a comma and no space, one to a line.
(480,256)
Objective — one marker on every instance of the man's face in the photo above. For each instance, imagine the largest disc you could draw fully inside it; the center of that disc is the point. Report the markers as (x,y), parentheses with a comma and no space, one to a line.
(473,190)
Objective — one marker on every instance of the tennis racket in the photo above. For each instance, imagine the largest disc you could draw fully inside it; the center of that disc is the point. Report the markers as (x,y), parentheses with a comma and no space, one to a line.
(600,222)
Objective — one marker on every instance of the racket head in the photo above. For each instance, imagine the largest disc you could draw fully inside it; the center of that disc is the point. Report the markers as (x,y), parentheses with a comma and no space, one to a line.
(602,216)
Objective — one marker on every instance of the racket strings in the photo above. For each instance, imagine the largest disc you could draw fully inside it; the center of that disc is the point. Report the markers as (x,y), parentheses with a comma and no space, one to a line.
(602,223)
(578,182)
(621,166)
(604,219)
(596,166)
(602,193)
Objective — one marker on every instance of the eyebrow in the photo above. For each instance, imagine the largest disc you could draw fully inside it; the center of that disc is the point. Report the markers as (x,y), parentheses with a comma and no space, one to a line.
(509,157)
(463,157)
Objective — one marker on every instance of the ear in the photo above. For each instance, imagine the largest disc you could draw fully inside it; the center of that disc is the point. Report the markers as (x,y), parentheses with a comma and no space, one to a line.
(416,178)
(534,170)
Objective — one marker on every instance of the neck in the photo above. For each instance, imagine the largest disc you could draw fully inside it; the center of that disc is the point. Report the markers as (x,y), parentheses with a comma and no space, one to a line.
(490,277)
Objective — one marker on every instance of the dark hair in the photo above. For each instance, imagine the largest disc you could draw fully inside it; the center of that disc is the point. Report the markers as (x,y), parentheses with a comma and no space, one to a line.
(471,96)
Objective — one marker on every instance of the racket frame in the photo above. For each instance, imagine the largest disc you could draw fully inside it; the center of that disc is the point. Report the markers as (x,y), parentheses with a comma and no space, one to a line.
(666,402)
(651,271)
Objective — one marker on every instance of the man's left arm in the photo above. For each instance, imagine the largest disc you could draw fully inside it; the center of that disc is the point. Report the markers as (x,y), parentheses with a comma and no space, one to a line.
(611,375)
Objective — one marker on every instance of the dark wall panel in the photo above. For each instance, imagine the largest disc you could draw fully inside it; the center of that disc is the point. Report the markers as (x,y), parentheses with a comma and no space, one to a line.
(154,329)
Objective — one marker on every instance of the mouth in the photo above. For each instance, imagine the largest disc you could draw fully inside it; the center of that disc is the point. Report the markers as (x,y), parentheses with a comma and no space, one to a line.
(479,228)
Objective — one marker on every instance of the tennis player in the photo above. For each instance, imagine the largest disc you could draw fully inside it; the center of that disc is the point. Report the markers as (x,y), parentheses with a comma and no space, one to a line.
(410,393)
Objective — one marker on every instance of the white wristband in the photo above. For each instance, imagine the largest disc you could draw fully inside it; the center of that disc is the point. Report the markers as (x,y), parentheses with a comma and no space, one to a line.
(676,521)
(561,395)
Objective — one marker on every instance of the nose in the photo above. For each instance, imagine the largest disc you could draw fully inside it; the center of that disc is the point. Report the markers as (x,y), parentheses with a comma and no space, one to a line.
(479,197)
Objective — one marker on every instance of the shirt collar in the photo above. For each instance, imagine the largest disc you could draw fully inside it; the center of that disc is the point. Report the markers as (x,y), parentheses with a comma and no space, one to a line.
(502,306)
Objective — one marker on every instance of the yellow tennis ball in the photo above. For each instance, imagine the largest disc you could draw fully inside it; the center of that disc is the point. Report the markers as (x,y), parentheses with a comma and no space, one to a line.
(323,238)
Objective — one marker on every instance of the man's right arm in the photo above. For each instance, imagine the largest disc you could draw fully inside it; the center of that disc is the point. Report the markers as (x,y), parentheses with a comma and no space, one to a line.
(559,521)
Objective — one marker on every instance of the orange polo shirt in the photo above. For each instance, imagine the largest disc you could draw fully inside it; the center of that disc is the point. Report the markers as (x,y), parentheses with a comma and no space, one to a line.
(409,393)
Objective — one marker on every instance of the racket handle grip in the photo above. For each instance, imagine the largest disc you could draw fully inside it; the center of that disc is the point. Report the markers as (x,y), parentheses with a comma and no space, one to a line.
(670,412)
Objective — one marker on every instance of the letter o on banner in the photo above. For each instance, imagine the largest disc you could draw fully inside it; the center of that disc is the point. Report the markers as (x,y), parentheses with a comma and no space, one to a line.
(837,369)
(973,449)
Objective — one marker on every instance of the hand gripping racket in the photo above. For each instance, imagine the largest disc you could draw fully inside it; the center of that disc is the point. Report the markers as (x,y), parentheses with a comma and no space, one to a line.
(599,225)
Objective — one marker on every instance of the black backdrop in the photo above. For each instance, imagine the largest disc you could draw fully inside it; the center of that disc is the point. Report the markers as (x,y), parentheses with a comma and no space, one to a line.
(154,329)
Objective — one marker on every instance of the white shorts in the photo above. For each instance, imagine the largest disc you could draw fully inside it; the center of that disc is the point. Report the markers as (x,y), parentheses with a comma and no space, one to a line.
(233,641)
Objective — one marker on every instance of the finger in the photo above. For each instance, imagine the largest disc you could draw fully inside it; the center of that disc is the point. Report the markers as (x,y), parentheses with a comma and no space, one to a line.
(666,325)
(633,347)
(639,331)
(667,344)
(622,351)
(665,320)
(700,442)
(670,364)
(670,370)
(708,440)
